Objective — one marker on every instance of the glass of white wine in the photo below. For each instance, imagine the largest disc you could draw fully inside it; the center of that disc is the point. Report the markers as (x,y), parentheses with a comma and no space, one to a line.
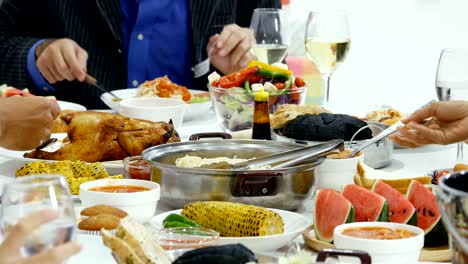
(327,41)
(34,193)
(270,30)
(452,80)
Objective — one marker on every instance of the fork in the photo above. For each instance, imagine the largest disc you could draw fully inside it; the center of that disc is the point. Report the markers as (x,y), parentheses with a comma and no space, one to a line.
(92,81)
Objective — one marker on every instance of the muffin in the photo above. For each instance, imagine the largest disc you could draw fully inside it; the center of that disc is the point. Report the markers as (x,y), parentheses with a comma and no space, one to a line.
(102,209)
(97,222)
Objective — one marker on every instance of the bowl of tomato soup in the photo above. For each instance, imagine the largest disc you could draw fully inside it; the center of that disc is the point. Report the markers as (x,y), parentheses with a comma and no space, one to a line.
(385,242)
(139,198)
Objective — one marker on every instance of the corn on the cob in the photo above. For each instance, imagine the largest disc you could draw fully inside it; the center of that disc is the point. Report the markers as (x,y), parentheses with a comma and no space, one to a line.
(234,219)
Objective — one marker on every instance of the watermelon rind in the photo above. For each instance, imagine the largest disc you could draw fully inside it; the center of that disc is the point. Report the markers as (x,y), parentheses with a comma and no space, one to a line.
(330,214)
(400,210)
(435,233)
(368,206)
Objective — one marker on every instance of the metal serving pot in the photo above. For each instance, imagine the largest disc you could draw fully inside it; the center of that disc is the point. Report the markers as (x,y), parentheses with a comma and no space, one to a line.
(377,155)
(452,197)
(284,188)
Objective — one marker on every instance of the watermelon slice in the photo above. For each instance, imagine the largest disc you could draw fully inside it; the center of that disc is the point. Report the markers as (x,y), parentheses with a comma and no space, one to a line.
(331,210)
(368,206)
(428,214)
(400,209)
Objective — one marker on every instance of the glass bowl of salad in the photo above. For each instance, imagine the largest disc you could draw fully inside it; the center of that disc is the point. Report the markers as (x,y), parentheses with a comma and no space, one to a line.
(232,95)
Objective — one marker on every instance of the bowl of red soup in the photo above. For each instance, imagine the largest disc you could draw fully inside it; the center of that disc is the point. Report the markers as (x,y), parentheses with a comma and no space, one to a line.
(139,198)
(385,242)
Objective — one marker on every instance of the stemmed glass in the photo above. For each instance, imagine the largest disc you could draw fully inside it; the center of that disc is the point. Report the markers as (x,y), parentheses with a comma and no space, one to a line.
(327,42)
(34,193)
(452,80)
(270,30)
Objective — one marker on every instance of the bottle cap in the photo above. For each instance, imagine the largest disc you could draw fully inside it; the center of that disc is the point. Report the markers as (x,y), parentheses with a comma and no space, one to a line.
(261,95)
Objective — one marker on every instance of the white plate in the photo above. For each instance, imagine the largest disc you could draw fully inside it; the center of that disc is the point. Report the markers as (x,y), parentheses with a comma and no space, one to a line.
(64,105)
(193,111)
(294,225)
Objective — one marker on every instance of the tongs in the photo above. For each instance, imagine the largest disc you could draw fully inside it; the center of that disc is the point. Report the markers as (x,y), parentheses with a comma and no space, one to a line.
(292,157)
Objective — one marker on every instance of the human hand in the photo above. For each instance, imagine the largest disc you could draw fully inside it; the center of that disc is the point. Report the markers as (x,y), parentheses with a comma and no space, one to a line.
(230,50)
(448,124)
(61,59)
(25,121)
(10,249)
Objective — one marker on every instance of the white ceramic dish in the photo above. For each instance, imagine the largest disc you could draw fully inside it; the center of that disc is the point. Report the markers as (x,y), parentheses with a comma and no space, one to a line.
(335,173)
(140,205)
(116,166)
(64,105)
(154,109)
(401,251)
(294,225)
(193,111)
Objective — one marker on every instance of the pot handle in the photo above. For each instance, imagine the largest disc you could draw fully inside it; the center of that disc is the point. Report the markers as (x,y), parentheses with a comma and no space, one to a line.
(334,252)
(199,136)
(256,183)
(442,198)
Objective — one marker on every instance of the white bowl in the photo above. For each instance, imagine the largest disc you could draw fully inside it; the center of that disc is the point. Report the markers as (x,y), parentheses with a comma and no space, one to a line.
(335,173)
(140,205)
(154,109)
(401,251)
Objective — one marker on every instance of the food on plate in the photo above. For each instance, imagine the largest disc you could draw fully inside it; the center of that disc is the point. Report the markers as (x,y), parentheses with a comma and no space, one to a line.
(119,189)
(164,87)
(378,232)
(234,219)
(388,116)
(368,206)
(226,254)
(367,176)
(400,209)
(429,217)
(233,94)
(288,112)
(189,161)
(133,243)
(324,127)
(177,220)
(331,210)
(98,222)
(102,209)
(97,136)
(75,172)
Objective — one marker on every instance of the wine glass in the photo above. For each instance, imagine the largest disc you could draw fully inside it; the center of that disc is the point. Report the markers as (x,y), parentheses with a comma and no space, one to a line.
(269,26)
(452,80)
(34,193)
(327,42)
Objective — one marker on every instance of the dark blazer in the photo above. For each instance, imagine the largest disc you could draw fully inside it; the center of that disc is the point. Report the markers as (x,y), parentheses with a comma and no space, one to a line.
(96,26)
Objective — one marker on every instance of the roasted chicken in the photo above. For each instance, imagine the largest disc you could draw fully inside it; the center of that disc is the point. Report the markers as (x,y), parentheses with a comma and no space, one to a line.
(97,136)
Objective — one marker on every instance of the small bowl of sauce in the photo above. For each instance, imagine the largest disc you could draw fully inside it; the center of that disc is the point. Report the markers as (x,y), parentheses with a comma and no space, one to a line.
(136,167)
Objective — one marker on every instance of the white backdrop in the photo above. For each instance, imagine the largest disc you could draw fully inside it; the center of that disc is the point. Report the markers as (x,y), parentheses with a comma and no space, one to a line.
(395,45)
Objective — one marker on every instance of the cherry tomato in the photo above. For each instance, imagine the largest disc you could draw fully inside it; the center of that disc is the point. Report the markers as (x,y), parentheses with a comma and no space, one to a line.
(440,174)
(280,86)
(299,82)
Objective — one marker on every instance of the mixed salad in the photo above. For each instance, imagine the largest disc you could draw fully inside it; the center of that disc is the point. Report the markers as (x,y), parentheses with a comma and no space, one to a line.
(232,95)
(9,91)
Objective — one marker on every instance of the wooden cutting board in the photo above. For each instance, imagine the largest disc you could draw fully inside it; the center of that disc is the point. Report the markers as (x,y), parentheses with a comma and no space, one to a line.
(439,254)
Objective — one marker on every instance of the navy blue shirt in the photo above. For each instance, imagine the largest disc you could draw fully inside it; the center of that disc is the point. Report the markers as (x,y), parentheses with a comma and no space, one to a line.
(156,42)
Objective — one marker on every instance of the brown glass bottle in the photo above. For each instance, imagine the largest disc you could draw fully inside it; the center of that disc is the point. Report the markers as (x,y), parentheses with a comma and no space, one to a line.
(261,118)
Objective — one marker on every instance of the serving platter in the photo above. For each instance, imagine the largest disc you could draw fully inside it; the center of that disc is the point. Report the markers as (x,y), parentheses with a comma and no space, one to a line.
(294,225)
(438,254)
(193,111)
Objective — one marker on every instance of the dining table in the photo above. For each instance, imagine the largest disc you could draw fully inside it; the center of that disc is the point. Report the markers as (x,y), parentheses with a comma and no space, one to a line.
(406,162)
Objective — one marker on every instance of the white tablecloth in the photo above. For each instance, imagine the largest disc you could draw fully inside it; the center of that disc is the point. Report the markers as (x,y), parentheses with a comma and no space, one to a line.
(405,162)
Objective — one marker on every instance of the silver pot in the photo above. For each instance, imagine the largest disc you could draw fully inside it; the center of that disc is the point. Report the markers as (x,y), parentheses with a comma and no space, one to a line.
(452,197)
(377,155)
(284,188)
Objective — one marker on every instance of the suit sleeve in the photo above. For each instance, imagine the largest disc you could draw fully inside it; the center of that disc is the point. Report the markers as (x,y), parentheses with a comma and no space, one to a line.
(16,39)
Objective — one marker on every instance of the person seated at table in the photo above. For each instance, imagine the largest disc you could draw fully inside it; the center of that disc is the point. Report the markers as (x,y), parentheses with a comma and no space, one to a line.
(439,123)
(51,46)
(25,121)
(10,248)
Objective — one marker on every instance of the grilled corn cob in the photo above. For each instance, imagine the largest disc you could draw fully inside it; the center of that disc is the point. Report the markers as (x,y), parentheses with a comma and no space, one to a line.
(234,219)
